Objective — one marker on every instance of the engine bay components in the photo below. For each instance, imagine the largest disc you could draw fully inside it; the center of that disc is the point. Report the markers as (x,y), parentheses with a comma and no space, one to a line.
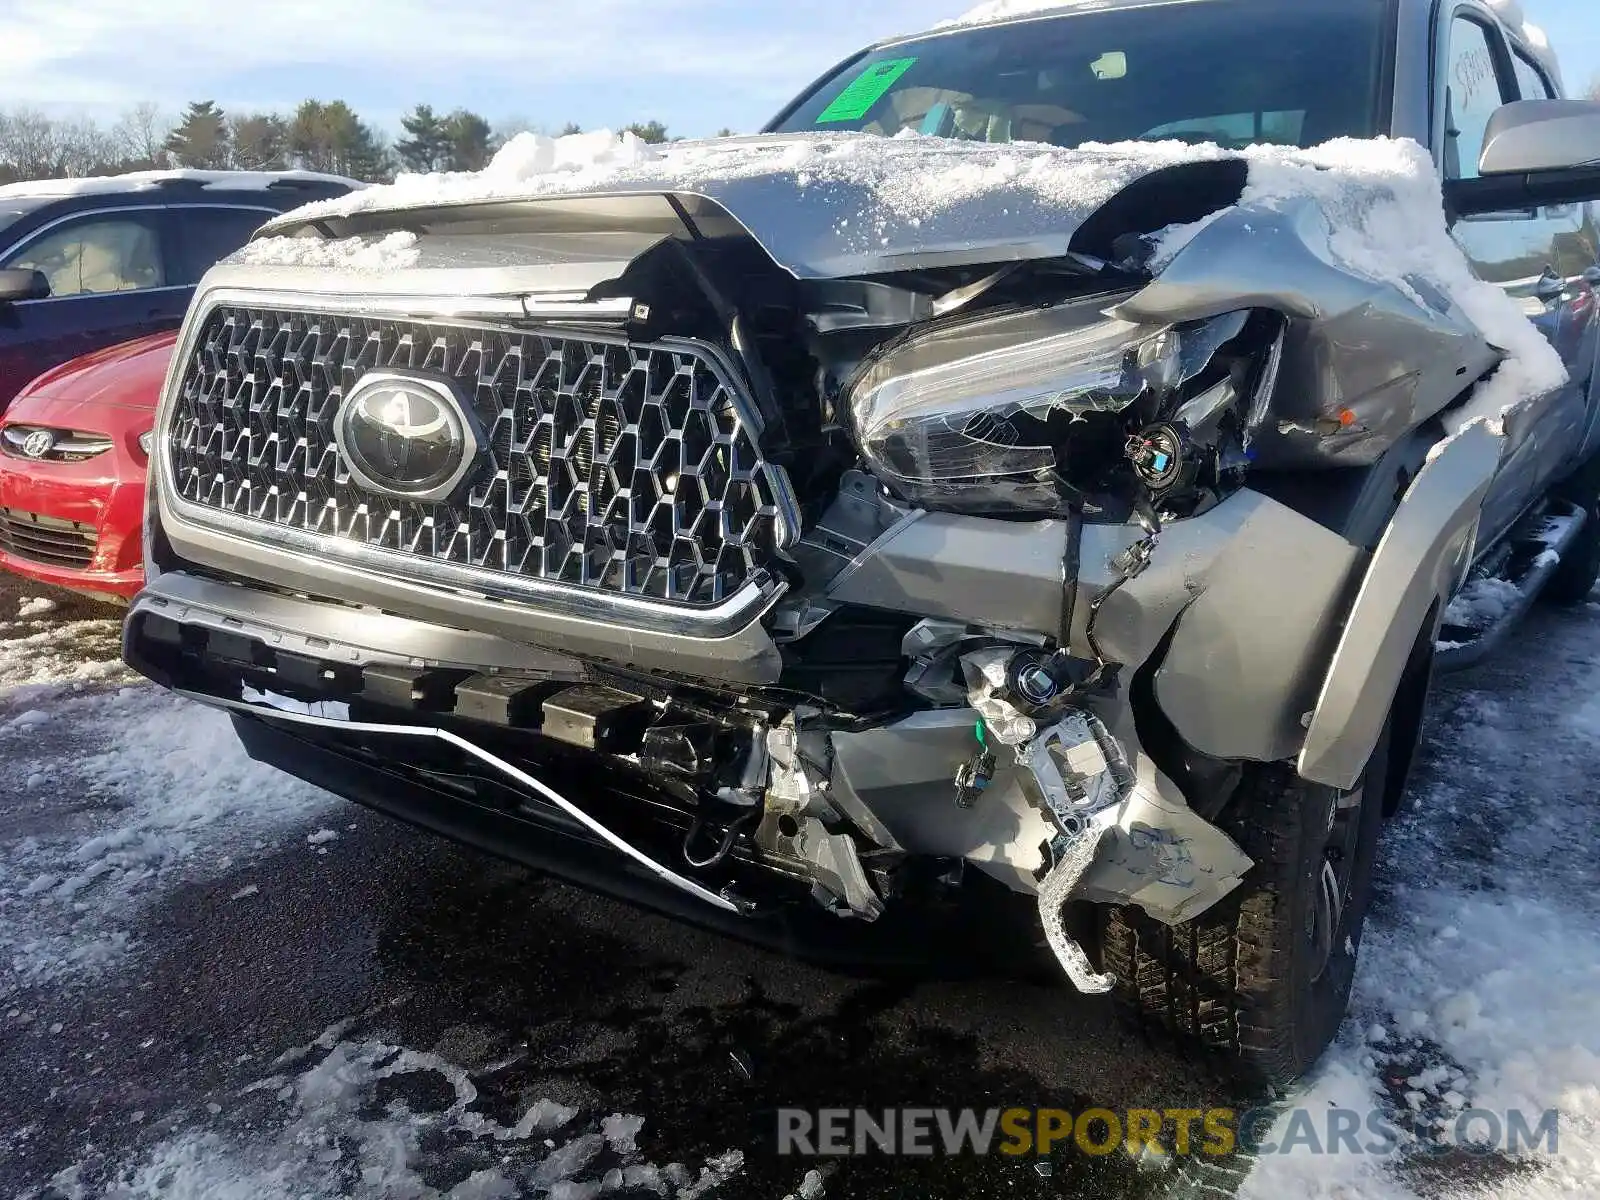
(797,815)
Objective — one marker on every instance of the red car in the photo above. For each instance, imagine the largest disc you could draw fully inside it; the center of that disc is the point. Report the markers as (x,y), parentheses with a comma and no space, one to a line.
(74,450)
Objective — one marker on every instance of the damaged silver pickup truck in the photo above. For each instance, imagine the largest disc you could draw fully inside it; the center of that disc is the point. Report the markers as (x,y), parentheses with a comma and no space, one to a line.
(992,478)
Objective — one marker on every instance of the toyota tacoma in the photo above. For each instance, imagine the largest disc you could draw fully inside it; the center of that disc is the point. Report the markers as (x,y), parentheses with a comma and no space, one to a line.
(1043,465)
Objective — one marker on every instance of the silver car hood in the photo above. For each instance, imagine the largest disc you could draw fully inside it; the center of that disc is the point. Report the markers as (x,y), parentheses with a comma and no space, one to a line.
(822,206)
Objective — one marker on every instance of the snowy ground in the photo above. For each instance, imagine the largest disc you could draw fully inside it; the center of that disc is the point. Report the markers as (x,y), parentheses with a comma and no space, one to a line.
(217,983)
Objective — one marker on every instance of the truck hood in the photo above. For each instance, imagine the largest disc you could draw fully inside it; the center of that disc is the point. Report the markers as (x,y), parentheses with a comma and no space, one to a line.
(823,206)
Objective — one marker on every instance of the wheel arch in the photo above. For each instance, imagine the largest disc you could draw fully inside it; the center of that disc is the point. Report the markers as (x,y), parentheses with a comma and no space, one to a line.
(1407,713)
(1420,560)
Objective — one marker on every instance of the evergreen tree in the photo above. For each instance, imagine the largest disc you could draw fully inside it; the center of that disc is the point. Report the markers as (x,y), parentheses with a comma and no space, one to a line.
(653,132)
(330,137)
(201,137)
(426,143)
(468,141)
(260,142)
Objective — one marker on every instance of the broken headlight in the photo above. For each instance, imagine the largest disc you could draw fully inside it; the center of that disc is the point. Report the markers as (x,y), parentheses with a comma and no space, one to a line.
(1030,412)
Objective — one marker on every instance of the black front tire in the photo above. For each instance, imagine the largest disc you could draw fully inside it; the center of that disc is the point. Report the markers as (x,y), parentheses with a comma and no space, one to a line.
(1254,979)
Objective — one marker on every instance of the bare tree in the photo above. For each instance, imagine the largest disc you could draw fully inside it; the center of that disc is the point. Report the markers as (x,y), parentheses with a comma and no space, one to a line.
(141,137)
(30,145)
(1594,89)
(86,149)
(508,128)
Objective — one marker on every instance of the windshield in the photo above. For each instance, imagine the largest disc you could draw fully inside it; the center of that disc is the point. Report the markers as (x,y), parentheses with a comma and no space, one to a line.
(1233,72)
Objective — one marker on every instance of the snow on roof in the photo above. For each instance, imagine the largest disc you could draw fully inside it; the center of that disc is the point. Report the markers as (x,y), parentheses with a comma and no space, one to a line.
(1006,10)
(142,180)
(1534,39)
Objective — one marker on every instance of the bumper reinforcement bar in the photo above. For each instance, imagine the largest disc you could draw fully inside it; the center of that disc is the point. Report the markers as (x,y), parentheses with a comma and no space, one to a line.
(515,774)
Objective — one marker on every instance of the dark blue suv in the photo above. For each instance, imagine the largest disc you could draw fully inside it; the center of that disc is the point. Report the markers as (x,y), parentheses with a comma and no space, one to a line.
(88,263)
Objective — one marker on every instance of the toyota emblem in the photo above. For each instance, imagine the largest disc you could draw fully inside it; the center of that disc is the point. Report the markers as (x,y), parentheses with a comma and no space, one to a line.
(407,435)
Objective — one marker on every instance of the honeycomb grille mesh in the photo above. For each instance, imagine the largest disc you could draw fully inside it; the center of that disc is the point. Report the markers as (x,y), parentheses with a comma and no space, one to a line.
(628,469)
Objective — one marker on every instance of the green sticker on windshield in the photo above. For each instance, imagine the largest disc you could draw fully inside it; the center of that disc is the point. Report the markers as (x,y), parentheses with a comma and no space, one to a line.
(867,89)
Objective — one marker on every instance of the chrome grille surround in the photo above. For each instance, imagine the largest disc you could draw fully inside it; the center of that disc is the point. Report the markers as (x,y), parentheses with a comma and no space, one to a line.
(65,445)
(618,478)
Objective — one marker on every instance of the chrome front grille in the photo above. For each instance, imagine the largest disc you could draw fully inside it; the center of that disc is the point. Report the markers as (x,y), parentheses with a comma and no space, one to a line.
(609,468)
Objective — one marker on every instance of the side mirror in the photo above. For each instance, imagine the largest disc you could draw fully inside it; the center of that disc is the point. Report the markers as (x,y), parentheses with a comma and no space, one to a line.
(1535,153)
(22,283)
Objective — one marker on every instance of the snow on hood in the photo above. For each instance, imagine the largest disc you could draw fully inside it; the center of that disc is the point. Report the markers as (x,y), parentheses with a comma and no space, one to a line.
(1384,208)
(823,205)
(391,253)
(836,203)
(908,179)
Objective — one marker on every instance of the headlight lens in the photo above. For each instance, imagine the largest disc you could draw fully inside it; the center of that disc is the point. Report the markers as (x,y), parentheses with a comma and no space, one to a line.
(980,418)
(147,439)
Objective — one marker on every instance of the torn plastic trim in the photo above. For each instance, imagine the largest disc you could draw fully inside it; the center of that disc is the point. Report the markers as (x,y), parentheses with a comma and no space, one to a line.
(1076,772)
(1055,890)
(1106,824)
(799,819)
(1073,771)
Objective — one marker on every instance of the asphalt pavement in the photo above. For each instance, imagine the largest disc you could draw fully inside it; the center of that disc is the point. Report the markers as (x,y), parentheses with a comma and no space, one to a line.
(367,998)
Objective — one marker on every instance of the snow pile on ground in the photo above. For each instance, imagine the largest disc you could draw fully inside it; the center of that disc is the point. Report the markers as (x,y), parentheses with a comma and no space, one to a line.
(1482,604)
(36,652)
(353,1119)
(392,252)
(1479,980)
(160,792)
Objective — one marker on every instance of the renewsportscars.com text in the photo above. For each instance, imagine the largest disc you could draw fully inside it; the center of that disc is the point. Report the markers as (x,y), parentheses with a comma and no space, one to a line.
(1214,1132)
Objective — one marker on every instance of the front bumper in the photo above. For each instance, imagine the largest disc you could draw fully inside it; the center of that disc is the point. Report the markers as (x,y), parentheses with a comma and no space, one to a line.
(96,504)
(213,640)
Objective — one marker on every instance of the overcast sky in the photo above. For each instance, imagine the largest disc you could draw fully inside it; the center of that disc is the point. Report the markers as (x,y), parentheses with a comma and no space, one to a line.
(698,65)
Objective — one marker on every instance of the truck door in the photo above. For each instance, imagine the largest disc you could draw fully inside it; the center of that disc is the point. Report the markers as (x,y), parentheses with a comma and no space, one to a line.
(1530,253)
